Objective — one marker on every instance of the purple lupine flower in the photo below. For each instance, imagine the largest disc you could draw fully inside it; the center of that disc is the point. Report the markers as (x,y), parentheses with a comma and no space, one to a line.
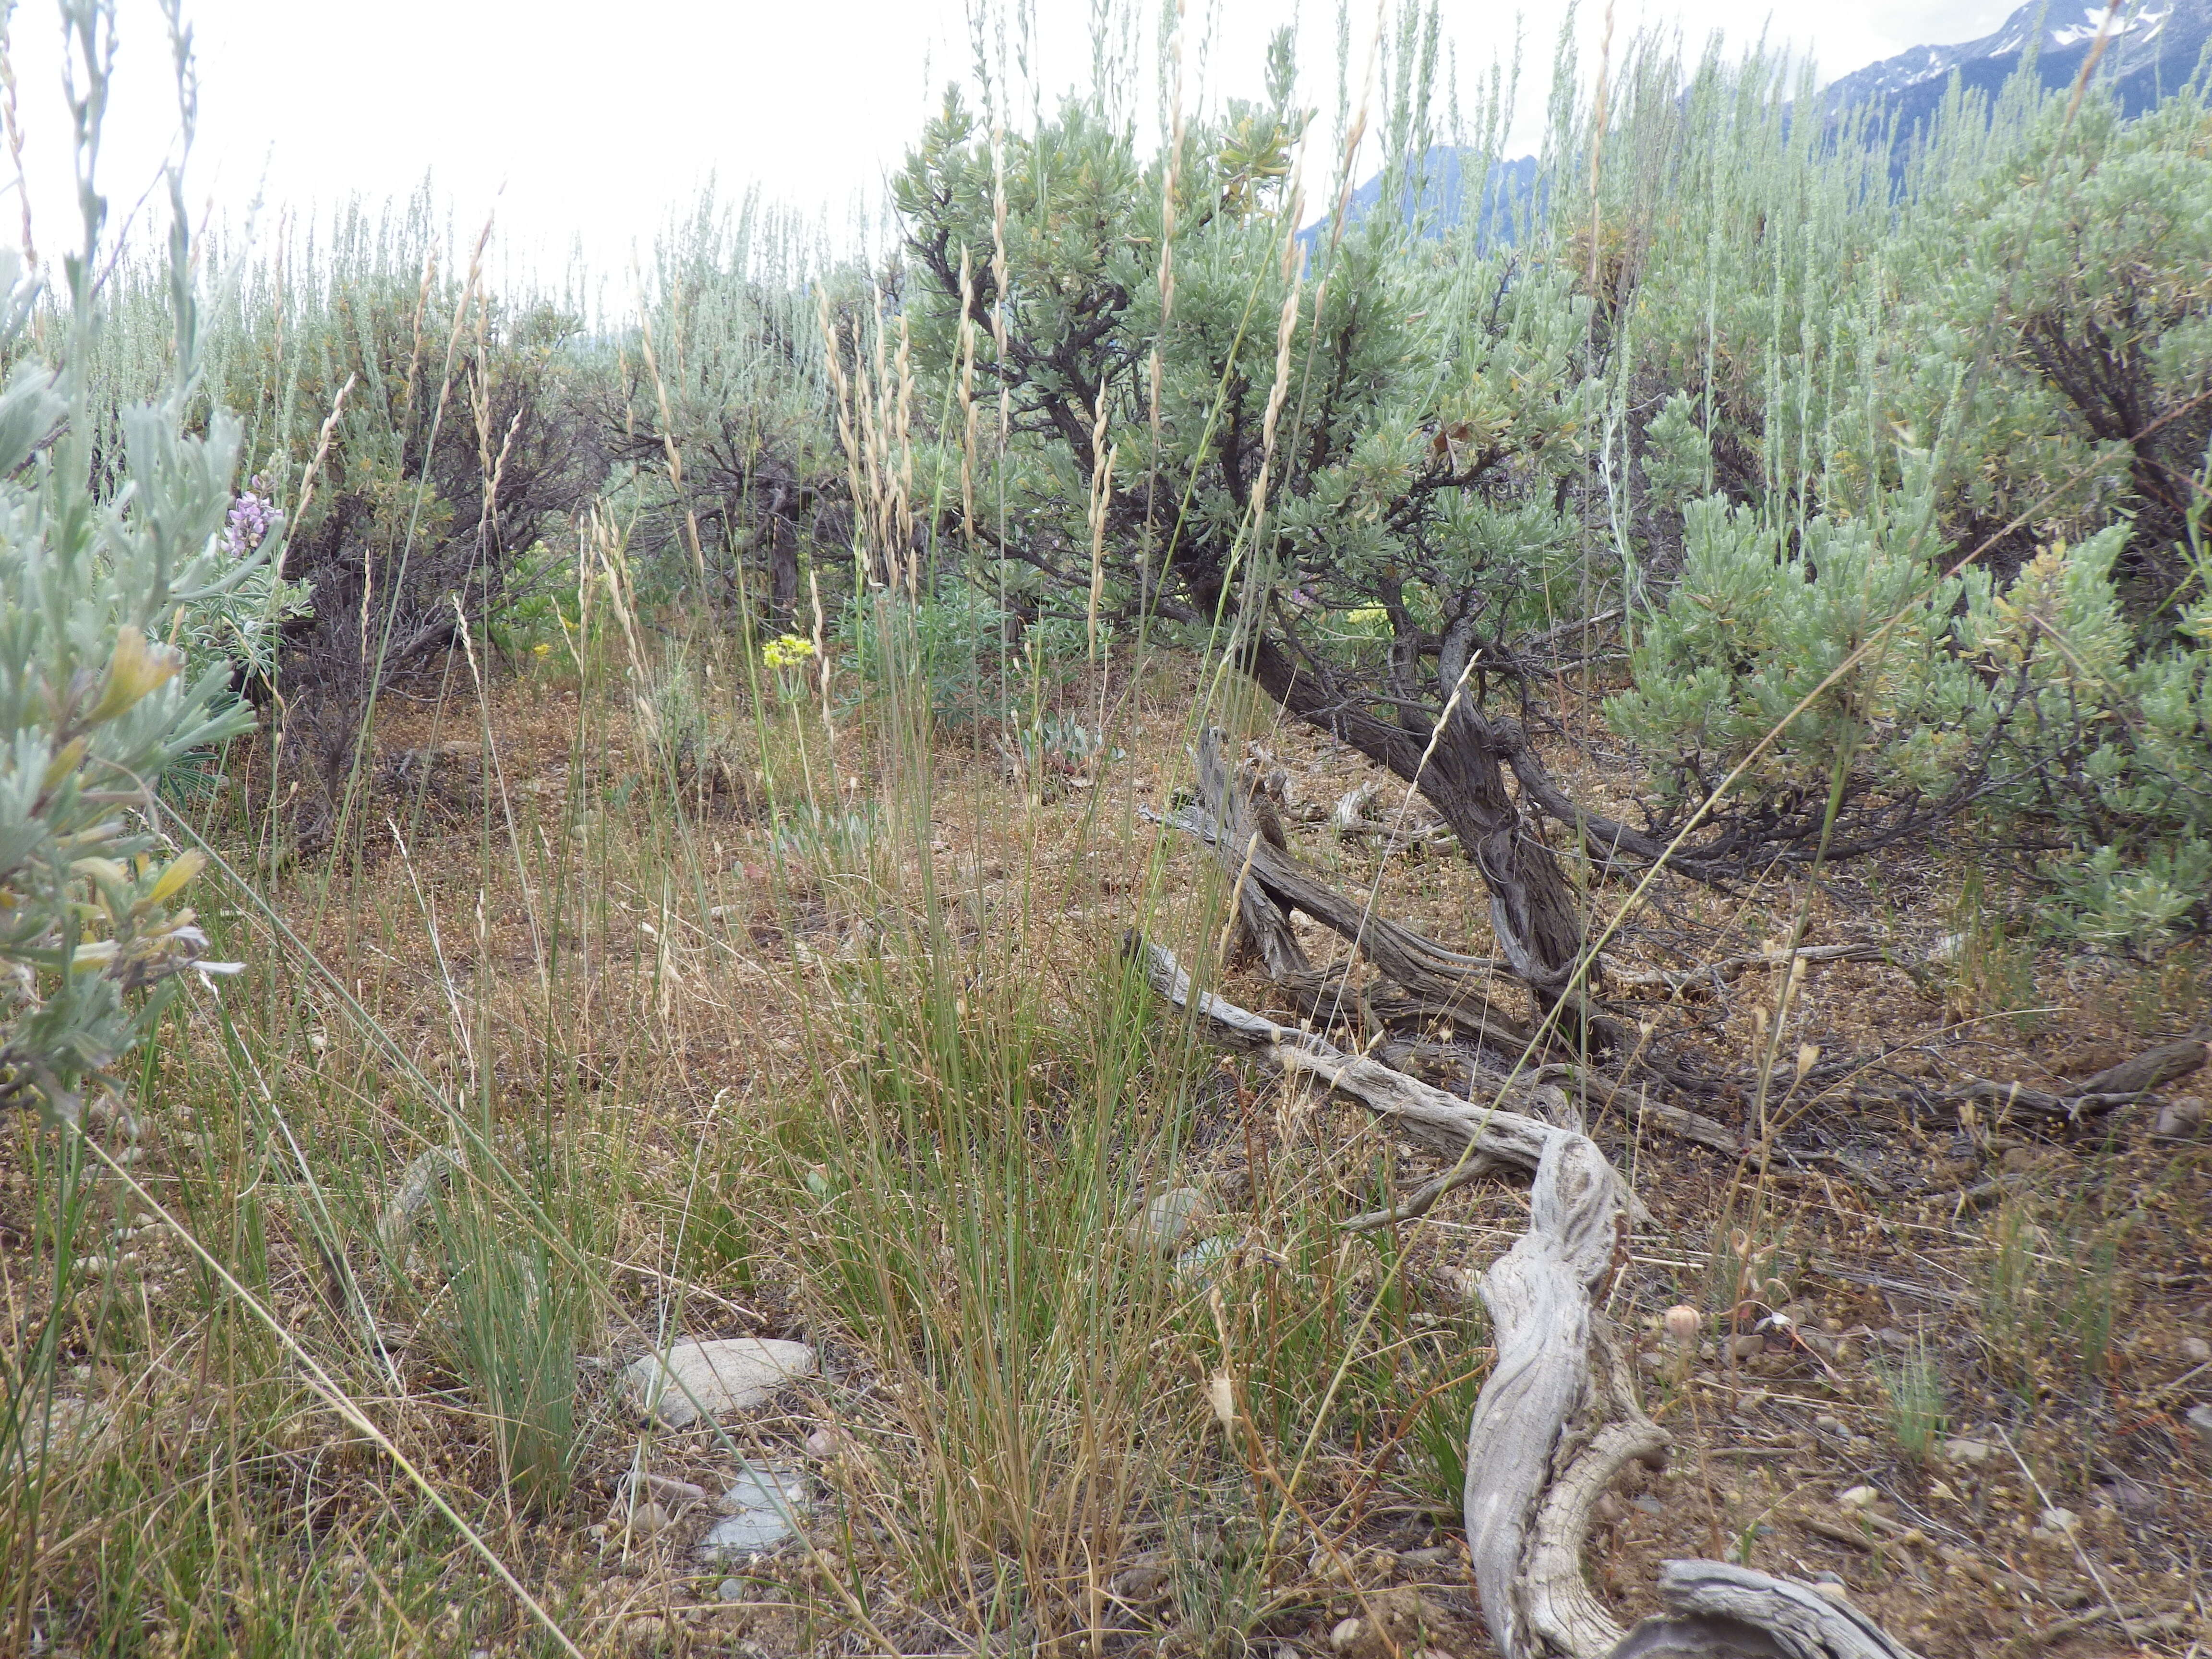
(251,517)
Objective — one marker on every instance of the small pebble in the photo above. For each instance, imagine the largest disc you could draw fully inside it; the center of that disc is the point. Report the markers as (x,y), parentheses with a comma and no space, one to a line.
(647,1519)
(1345,1635)
(2182,1119)
(1858,1497)
(2200,1418)
(729,1590)
(1743,1348)
(1967,1451)
(2197,1350)
(2129,1496)
(1204,1261)
(2056,1523)
(1140,1582)
(762,1507)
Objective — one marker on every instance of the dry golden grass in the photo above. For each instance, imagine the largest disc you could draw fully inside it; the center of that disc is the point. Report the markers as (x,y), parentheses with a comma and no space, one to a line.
(746,1085)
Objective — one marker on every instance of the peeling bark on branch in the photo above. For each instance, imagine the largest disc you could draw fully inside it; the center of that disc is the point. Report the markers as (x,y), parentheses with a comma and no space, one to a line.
(2151,1068)
(1434,984)
(1459,763)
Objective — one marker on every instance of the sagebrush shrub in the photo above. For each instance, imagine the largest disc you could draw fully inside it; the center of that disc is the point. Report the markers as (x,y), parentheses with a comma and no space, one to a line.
(103,569)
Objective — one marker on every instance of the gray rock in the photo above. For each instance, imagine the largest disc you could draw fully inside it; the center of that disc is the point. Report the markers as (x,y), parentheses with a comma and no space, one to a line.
(2200,1418)
(1169,1218)
(1204,1261)
(729,1590)
(2129,1496)
(1967,1451)
(760,1510)
(713,1377)
(2180,1120)
(2197,1350)
(2055,1524)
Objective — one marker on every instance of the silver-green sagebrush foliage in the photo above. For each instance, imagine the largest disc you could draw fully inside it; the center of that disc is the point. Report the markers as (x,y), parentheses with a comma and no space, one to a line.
(107,563)
(1895,477)
(1992,584)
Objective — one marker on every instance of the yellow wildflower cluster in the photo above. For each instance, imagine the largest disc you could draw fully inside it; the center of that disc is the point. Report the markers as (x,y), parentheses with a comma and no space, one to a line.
(787,651)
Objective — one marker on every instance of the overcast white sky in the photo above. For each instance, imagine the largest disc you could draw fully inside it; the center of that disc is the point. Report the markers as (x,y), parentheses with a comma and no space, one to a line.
(588,122)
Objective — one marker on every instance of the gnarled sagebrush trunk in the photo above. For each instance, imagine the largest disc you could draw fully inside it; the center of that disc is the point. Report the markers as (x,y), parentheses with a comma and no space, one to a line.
(1459,762)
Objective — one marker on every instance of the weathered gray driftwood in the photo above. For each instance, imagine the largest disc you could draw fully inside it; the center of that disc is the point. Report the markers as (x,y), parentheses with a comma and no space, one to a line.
(2152,1068)
(1715,1610)
(1559,1418)
(1514,1133)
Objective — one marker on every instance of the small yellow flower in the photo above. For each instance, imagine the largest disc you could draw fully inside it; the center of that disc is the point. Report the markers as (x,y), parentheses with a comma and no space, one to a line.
(137,669)
(539,649)
(182,869)
(787,651)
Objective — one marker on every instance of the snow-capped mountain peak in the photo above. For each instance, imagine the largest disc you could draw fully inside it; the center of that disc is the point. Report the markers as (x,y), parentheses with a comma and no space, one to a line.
(2151,49)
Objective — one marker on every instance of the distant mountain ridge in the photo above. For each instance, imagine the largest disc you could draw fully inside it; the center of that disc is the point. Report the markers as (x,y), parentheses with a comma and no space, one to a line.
(2152,55)
(1443,194)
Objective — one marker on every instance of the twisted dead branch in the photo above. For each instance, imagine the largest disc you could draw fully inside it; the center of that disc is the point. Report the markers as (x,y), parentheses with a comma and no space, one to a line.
(1559,1418)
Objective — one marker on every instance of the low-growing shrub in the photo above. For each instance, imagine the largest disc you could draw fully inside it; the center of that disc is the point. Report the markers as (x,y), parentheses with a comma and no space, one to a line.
(102,561)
